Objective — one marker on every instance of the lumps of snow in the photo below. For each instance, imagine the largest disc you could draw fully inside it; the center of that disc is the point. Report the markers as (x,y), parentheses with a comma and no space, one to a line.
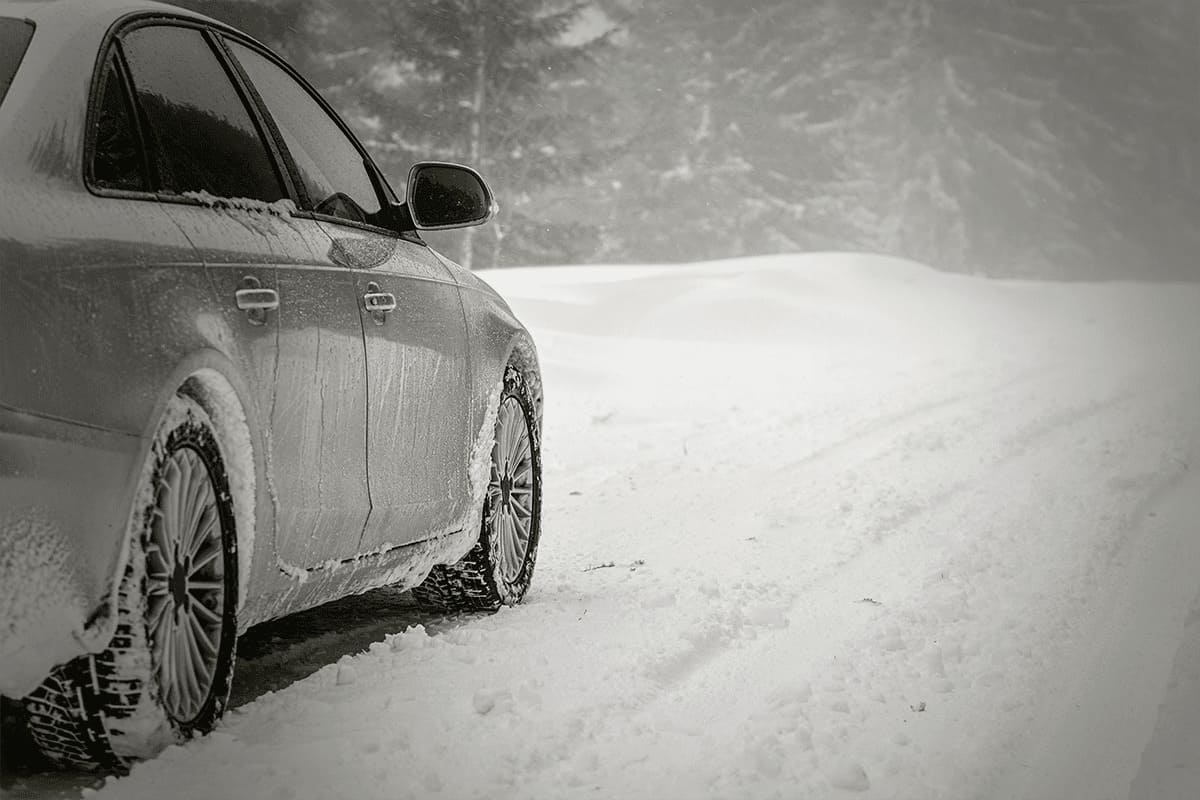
(485,701)
(279,208)
(850,776)
(42,609)
(346,674)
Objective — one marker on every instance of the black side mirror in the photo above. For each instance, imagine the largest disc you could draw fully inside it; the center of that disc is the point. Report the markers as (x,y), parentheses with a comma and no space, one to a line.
(444,196)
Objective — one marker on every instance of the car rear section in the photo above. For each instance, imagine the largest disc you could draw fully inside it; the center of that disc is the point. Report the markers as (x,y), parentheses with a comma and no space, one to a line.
(82,289)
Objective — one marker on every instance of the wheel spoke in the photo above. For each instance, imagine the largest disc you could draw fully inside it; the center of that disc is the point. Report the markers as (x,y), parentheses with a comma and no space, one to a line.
(160,548)
(156,560)
(207,529)
(514,550)
(516,543)
(185,676)
(509,435)
(164,645)
(521,529)
(205,585)
(502,531)
(211,617)
(196,659)
(199,563)
(522,449)
(198,501)
(185,489)
(171,519)
(204,664)
(158,603)
(522,511)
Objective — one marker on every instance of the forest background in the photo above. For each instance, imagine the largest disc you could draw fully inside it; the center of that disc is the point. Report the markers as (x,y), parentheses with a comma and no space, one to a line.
(1029,138)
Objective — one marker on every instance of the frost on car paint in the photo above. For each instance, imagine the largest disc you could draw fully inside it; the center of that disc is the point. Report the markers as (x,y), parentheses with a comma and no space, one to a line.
(223,406)
(407,565)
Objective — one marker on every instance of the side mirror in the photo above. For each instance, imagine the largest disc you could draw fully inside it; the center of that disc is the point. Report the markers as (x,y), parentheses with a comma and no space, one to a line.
(444,196)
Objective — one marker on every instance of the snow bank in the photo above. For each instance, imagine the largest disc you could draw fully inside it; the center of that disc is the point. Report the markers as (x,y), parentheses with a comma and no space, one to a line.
(44,609)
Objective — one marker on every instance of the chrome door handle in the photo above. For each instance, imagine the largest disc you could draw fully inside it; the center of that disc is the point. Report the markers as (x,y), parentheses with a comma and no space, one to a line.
(257,299)
(378,303)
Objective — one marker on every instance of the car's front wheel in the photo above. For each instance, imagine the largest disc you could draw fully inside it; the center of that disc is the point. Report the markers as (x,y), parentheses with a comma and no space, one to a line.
(166,673)
(499,568)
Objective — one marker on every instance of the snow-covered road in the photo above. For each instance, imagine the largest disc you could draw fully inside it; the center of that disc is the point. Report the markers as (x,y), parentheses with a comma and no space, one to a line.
(813,525)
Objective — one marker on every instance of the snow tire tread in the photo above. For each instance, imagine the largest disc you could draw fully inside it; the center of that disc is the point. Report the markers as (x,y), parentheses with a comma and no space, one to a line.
(470,584)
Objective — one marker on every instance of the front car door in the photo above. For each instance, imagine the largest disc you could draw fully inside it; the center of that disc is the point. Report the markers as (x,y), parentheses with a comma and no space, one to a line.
(418,432)
(294,315)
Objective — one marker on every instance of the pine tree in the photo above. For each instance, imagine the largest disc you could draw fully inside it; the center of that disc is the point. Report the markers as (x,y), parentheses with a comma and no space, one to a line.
(476,81)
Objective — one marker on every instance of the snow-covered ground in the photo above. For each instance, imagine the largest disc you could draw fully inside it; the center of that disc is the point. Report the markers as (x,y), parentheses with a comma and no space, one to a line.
(814,526)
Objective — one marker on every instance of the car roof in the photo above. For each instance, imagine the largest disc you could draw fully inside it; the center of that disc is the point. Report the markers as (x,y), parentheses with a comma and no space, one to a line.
(81,13)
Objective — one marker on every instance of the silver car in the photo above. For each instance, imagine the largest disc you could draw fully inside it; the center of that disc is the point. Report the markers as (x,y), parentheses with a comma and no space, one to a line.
(234,381)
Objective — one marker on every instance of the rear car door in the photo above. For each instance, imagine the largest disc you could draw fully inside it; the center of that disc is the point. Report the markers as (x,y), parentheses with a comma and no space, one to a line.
(418,435)
(294,315)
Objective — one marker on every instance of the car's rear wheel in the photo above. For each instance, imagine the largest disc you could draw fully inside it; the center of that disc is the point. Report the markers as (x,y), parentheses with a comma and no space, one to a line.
(499,568)
(166,673)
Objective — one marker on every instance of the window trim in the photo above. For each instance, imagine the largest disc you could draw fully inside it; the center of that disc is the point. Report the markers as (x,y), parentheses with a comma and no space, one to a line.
(216,34)
(110,48)
(24,52)
(115,61)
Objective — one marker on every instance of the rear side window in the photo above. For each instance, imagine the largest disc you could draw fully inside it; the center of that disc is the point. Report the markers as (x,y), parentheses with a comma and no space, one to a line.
(14,39)
(117,161)
(202,138)
(330,166)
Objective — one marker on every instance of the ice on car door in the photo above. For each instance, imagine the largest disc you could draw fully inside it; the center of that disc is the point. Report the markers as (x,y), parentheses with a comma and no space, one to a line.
(418,437)
(303,358)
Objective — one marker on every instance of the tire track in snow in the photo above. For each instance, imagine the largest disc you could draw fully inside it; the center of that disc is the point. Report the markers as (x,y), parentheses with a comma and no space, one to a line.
(1046,431)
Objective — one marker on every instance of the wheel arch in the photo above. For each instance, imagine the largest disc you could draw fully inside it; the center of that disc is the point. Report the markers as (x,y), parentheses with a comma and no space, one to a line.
(522,354)
(211,380)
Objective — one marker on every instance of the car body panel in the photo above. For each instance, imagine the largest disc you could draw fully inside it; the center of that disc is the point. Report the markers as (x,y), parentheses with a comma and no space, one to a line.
(419,422)
(306,360)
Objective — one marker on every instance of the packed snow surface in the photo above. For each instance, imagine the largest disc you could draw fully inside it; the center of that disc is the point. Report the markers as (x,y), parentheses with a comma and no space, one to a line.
(820,526)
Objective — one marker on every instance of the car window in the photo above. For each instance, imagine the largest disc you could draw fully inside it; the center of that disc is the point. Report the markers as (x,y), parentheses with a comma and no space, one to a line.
(330,166)
(117,154)
(14,39)
(202,136)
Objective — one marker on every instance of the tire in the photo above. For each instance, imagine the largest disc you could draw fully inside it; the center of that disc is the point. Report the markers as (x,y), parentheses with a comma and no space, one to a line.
(498,569)
(150,688)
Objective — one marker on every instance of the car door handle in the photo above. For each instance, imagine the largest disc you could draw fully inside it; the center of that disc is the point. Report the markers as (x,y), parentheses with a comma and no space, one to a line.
(257,299)
(378,303)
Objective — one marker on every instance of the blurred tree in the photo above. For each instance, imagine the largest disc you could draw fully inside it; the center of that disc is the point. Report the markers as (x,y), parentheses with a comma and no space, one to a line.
(276,23)
(478,81)
(1003,136)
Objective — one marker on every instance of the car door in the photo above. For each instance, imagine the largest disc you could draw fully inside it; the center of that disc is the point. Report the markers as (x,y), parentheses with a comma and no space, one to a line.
(293,313)
(418,434)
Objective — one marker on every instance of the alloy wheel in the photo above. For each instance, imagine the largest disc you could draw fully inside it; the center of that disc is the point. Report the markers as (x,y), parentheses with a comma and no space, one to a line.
(185,584)
(510,492)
